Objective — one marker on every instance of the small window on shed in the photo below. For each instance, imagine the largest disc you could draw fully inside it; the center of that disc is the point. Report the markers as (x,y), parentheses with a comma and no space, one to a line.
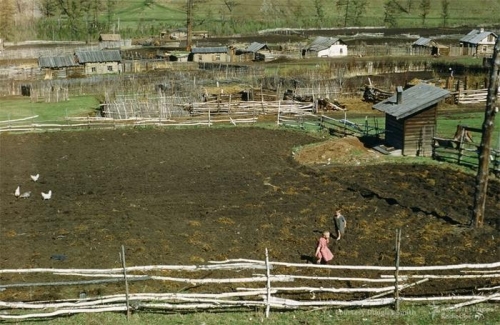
(110,68)
(94,69)
(200,57)
(217,57)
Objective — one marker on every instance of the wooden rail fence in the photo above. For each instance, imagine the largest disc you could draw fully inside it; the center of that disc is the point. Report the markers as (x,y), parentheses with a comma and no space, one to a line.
(280,286)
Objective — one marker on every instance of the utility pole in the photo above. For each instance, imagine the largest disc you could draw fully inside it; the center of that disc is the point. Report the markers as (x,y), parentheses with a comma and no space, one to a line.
(189,25)
(485,146)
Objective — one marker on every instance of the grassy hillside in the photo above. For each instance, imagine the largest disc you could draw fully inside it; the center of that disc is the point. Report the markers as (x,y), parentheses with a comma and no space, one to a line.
(146,18)
(242,15)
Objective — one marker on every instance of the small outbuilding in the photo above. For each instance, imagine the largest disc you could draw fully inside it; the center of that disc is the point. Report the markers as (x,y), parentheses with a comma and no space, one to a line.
(427,46)
(325,47)
(110,41)
(411,118)
(478,42)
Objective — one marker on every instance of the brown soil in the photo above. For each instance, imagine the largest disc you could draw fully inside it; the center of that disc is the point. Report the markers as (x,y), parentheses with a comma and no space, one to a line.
(197,195)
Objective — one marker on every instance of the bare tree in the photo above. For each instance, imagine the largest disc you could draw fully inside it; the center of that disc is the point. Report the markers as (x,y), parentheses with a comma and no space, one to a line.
(481,189)
(425,8)
(390,10)
(320,12)
(445,12)
(48,8)
(353,10)
(7,22)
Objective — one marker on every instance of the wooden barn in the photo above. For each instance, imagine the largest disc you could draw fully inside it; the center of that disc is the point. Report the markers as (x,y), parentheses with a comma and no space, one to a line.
(110,41)
(100,62)
(427,46)
(411,118)
(61,66)
(478,42)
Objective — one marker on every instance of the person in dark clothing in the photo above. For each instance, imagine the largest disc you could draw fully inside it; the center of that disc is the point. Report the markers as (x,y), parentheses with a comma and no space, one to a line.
(340,224)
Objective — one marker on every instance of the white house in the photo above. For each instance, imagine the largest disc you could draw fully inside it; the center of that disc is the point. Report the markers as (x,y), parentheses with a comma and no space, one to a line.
(478,43)
(326,47)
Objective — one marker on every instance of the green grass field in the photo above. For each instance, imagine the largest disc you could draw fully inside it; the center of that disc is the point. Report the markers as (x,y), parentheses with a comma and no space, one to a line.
(14,108)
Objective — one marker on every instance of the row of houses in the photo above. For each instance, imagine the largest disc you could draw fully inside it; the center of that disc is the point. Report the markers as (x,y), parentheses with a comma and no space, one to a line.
(477,43)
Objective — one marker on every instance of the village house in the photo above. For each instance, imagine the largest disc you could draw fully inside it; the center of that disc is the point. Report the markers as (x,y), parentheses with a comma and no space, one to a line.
(411,118)
(325,47)
(209,54)
(427,46)
(478,42)
(63,66)
(259,52)
(100,62)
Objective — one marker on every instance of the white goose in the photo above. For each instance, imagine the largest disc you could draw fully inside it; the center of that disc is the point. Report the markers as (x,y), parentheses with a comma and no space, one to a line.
(47,196)
(35,177)
(17,192)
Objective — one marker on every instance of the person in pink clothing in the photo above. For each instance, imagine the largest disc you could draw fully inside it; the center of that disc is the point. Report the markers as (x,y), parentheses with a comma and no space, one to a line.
(323,253)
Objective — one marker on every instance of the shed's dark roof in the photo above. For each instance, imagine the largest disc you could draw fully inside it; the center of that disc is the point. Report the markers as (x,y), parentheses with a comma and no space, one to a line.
(415,99)
(427,42)
(220,49)
(98,56)
(255,47)
(422,41)
(475,36)
(323,43)
(57,61)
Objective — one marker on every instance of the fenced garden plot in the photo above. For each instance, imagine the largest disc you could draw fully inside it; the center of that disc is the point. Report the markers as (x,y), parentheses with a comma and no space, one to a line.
(243,285)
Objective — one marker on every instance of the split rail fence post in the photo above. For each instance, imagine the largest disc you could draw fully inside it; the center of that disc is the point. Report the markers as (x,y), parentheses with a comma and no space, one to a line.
(268,286)
(396,273)
(126,282)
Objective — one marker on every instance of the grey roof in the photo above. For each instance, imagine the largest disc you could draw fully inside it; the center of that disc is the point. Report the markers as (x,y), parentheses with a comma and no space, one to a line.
(422,41)
(255,47)
(414,100)
(475,36)
(57,61)
(219,49)
(323,43)
(98,56)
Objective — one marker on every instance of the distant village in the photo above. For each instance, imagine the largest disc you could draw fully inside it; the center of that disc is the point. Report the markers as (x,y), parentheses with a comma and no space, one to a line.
(110,53)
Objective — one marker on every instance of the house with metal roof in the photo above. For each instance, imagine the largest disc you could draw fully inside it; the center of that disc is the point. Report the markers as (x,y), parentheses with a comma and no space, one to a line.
(100,62)
(411,118)
(61,66)
(478,42)
(427,46)
(253,52)
(210,54)
(325,47)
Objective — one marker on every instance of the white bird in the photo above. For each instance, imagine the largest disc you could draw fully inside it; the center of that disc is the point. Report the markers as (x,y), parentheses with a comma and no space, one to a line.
(47,196)
(17,192)
(25,195)
(35,177)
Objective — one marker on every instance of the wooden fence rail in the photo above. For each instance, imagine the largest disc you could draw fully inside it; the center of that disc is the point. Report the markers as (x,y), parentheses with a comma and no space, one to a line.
(329,292)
